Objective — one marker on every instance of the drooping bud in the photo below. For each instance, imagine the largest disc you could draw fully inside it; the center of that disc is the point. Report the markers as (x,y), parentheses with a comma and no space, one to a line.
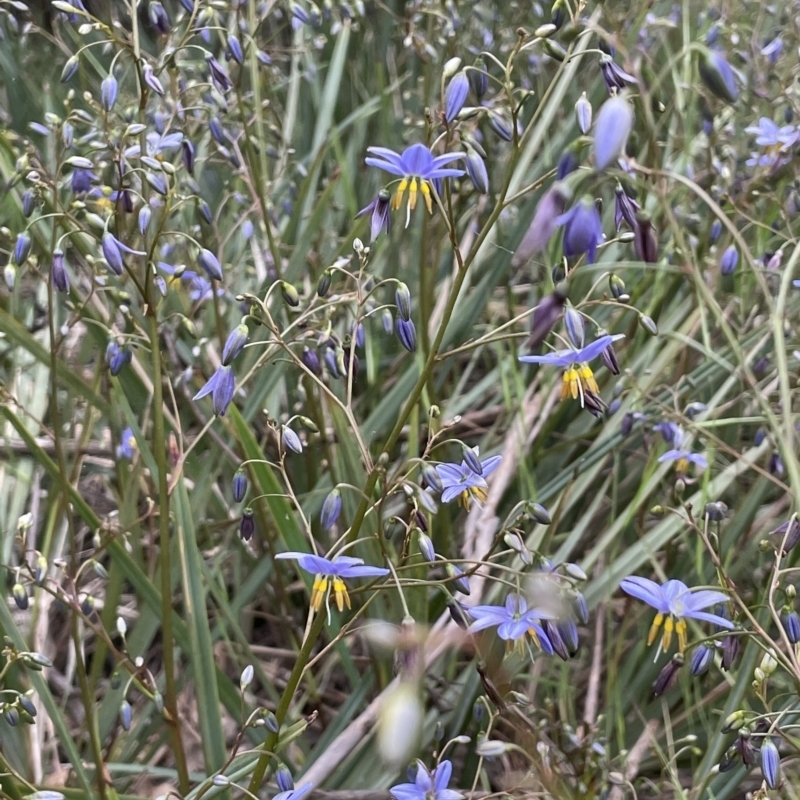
(648,323)
(239,485)
(291,441)
(235,343)
(476,169)
(59,272)
(331,509)
(458,578)
(644,239)
(583,113)
(666,678)
(616,286)
(770,762)
(729,260)
(611,130)
(402,298)
(426,546)
(324,283)
(576,327)
(108,92)
(290,295)
(472,460)
(478,79)
(543,225)
(247,524)
(791,624)
(235,49)
(22,248)
(407,334)
(455,96)
(208,261)
(20,596)
(702,656)
(70,68)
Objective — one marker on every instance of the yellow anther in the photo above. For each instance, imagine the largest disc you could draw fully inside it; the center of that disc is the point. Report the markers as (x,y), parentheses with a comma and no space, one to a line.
(569,386)
(464,498)
(412,194)
(318,591)
(680,628)
(682,466)
(587,379)
(397,200)
(340,594)
(425,188)
(535,636)
(666,639)
(654,628)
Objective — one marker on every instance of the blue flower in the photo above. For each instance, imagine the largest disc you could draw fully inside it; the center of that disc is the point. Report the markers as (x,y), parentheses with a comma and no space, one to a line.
(681,454)
(675,602)
(455,96)
(583,230)
(463,482)
(428,785)
(81,180)
(112,252)
(513,621)
(611,130)
(221,386)
(378,210)
(717,74)
(729,260)
(294,793)
(417,168)
(127,444)
(337,568)
(775,140)
(578,379)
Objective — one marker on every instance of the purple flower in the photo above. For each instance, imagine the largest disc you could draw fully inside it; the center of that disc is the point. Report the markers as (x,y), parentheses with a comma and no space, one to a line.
(543,225)
(773,50)
(117,357)
(112,252)
(158,17)
(455,96)
(675,602)
(513,621)
(681,454)
(234,344)
(428,785)
(417,168)
(626,208)
(729,260)
(218,74)
(337,568)
(614,77)
(776,141)
(583,230)
(476,169)
(221,386)
(81,180)
(578,379)
(208,261)
(611,130)
(59,272)
(791,624)
(380,218)
(127,444)
(465,483)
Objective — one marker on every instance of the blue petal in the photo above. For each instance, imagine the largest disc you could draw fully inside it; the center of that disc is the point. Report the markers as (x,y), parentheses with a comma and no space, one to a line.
(435,174)
(703,598)
(417,160)
(386,154)
(362,572)
(596,347)
(705,616)
(386,166)
(511,630)
(560,358)
(451,492)
(490,465)
(209,387)
(407,791)
(671,455)
(441,777)
(645,590)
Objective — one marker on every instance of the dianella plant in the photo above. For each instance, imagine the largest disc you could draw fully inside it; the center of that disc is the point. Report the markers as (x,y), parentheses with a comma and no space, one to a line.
(397,399)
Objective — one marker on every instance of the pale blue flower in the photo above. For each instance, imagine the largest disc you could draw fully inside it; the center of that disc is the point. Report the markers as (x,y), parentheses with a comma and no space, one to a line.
(682,454)
(428,785)
(463,482)
(513,621)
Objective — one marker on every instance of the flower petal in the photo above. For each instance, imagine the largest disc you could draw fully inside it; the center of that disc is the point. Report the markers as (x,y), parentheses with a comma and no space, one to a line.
(703,598)
(441,777)
(705,616)
(645,590)
(490,465)
(386,166)
(417,160)
(362,572)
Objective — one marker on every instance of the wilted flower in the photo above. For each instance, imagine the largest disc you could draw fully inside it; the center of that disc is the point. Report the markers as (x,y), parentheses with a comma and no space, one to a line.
(221,386)
(545,316)
(428,785)
(583,230)
(455,95)
(675,602)
(218,74)
(112,252)
(247,524)
(578,379)
(337,568)
(463,482)
(645,243)
(380,218)
(681,454)
(666,678)
(127,444)
(614,77)
(611,130)
(717,75)
(513,621)
(417,169)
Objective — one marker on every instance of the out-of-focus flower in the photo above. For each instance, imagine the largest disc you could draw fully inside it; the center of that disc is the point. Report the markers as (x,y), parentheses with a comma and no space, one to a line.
(127,444)
(478,79)
(380,218)
(81,180)
(682,455)
(417,168)
(717,75)
(611,130)
(117,357)
(545,316)
(583,230)
(336,569)
(675,602)
(294,793)
(462,482)
(188,152)
(578,379)
(158,17)
(776,141)
(513,621)
(428,785)
(221,386)
(729,260)
(455,95)
(235,49)
(772,51)
(543,225)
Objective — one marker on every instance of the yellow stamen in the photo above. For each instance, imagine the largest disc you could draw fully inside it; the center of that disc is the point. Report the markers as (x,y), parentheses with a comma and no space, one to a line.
(682,466)
(532,633)
(651,637)
(412,194)
(570,383)
(463,499)
(587,379)
(397,200)
(477,492)
(340,594)
(425,188)
(666,639)
(680,627)
(318,591)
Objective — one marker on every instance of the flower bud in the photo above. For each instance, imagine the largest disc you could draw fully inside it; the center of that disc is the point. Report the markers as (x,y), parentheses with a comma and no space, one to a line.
(402,299)
(770,763)
(20,596)
(22,248)
(235,343)
(235,49)
(768,663)
(59,272)
(729,260)
(702,656)
(611,131)
(247,677)
(540,514)
(70,68)
(666,678)
(459,579)
(40,572)
(576,328)
(400,722)
(472,460)
(476,169)
(616,285)
(791,624)
(311,359)
(407,334)
(451,67)
(717,75)
(247,525)
(108,92)
(426,546)
(455,96)
(209,262)
(730,649)
(583,112)
(648,324)
(239,485)
(331,509)
(324,284)
(291,441)
(645,243)
(478,79)
(284,778)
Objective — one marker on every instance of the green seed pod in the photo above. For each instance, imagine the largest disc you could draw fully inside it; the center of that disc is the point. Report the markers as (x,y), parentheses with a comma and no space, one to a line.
(290,294)
(555,50)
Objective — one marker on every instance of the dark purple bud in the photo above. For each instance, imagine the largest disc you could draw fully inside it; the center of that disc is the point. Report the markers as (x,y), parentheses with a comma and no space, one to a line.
(553,634)
(28,203)
(407,334)
(729,260)
(331,509)
(666,678)
(626,208)
(59,272)
(478,78)
(645,243)
(217,131)
(117,357)
(770,762)
(702,656)
(235,343)
(545,316)
(611,131)
(609,359)
(158,17)
(476,169)
(791,624)
(247,525)
(566,164)
(543,225)
(218,74)
(455,95)
(151,80)
(239,485)
(235,49)
(22,248)
(458,615)
(730,649)
(614,77)
(745,748)
(311,359)
(108,92)
(717,75)
(583,230)
(208,261)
